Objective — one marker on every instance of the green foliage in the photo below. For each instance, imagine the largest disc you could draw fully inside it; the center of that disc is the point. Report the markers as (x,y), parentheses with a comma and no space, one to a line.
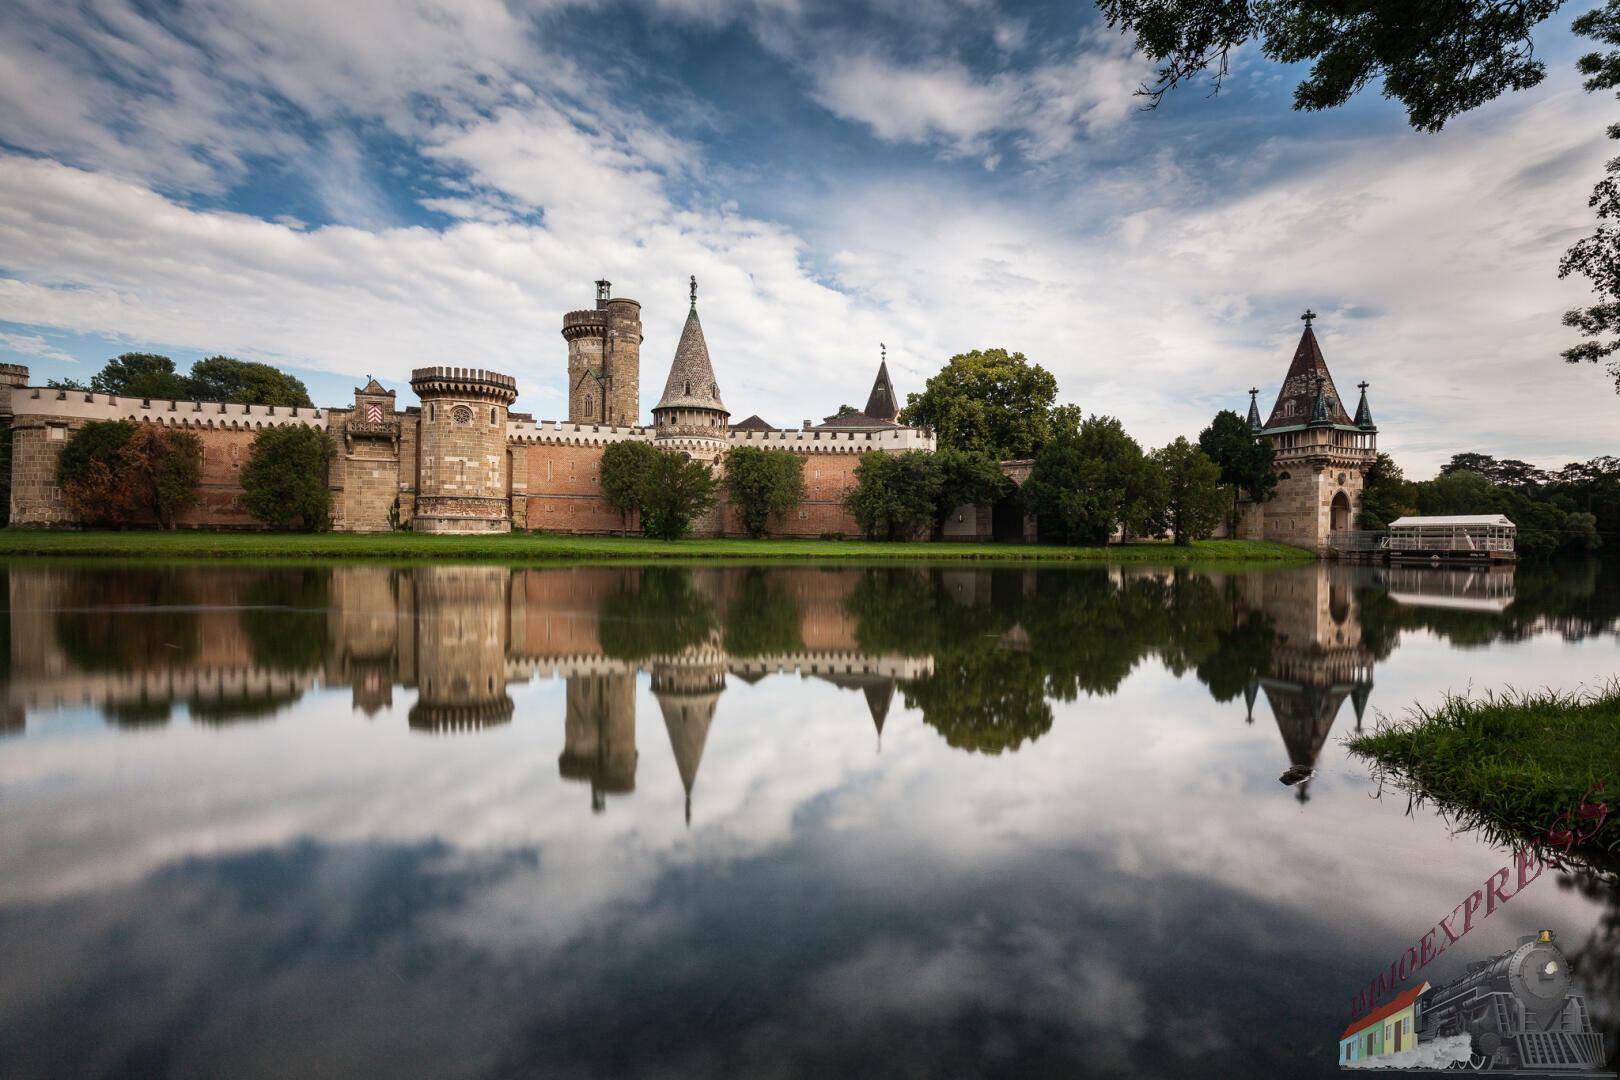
(764,618)
(1088,480)
(128,622)
(1386,494)
(117,472)
(65,384)
(626,467)
(1193,500)
(222,378)
(654,612)
(967,478)
(991,400)
(895,495)
(764,485)
(1245,461)
(284,483)
(1597,257)
(1436,59)
(140,375)
(677,490)
(285,620)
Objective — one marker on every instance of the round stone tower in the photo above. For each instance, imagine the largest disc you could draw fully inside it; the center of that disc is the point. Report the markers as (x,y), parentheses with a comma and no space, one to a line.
(461,485)
(604,361)
(690,418)
(461,620)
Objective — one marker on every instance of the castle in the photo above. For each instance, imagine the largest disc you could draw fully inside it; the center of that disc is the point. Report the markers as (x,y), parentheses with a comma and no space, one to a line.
(464,462)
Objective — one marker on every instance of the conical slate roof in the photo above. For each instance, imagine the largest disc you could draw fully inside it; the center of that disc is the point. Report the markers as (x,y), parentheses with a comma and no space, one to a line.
(1363,411)
(691,383)
(881,404)
(1299,388)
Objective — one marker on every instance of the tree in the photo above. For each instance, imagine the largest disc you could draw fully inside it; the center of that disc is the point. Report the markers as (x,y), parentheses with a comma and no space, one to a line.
(140,375)
(1245,461)
(764,485)
(222,378)
(1193,500)
(895,495)
(284,483)
(1089,479)
(966,478)
(1597,257)
(1436,59)
(1461,492)
(678,489)
(118,472)
(162,467)
(990,400)
(626,467)
(1386,494)
(65,384)
(87,471)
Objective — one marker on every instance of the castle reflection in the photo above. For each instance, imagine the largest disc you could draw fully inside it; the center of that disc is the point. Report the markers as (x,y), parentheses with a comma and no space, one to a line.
(980,654)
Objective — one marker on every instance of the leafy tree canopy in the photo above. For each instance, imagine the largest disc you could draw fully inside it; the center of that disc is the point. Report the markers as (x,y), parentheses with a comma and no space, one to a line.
(677,491)
(1089,479)
(117,472)
(242,382)
(1597,257)
(1437,59)
(284,483)
(896,496)
(1244,461)
(991,400)
(967,478)
(140,375)
(626,467)
(764,485)
(1192,493)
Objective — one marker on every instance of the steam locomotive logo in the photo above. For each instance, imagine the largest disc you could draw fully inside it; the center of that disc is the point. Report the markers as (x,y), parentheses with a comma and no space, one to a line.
(1514,1011)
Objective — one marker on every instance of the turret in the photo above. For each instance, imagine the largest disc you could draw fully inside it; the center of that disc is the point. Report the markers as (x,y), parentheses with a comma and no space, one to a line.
(462,485)
(690,417)
(604,360)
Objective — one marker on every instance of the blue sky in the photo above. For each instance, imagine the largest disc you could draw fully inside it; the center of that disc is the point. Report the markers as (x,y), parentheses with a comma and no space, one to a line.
(360,188)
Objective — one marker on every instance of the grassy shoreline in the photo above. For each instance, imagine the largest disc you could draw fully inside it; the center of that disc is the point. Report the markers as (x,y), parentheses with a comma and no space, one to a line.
(529,547)
(1509,764)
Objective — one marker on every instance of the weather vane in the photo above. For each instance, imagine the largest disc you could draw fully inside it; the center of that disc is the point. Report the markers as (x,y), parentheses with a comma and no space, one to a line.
(1308,316)
(883,352)
(694,290)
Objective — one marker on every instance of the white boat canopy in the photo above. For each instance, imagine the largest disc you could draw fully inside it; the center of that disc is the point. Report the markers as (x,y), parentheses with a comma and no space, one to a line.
(1443,521)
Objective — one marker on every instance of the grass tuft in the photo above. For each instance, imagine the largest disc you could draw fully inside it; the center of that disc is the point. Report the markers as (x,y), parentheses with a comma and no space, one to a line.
(1509,763)
(539,547)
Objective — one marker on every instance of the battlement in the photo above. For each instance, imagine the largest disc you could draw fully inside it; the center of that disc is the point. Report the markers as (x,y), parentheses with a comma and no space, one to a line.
(39,403)
(835,442)
(563,432)
(466,381)
(14,375)
(588,323)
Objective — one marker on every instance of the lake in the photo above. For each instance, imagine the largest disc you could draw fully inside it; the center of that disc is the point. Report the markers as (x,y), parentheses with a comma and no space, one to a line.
(478,821)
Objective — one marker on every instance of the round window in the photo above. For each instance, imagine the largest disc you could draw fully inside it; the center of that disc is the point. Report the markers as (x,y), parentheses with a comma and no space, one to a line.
(461,414)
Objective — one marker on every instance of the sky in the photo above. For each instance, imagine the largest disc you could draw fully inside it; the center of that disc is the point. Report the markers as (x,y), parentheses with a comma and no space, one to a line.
(361,188)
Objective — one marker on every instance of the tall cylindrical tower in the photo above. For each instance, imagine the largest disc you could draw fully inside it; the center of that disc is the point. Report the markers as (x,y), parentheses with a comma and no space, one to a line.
(604,361)
(461,480)
(461,620)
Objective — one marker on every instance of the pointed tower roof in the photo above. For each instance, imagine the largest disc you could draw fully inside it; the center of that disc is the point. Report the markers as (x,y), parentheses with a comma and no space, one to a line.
(1299,388)
(879,696)
(881,403)
(691,383)
(1363,412)
(687,721)
(1254,409)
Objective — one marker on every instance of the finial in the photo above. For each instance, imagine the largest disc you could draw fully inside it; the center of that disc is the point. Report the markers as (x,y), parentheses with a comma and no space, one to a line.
(883,351)
(1254,391)
(1308,316)
(1362,386)
(694,292)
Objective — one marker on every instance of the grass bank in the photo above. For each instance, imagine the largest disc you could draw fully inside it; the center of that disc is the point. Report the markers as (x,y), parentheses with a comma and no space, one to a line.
(1509,764)
(533,547)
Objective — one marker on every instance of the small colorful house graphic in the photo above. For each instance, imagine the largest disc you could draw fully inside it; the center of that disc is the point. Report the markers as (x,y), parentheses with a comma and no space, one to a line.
(1388,1029)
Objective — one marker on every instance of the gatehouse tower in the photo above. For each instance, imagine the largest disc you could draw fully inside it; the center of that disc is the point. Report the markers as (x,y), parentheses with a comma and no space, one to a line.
(1320,455)
(463,486)
(604,361)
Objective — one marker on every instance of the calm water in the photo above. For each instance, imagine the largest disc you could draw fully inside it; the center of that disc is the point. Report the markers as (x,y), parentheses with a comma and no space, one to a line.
(476,821)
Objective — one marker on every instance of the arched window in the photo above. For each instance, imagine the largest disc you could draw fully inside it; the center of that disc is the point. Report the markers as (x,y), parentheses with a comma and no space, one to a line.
(492,416)
(590,403)
(689,389)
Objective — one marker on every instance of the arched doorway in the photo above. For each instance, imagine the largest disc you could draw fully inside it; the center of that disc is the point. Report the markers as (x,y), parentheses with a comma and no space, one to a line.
(1007,519)
(1340,513)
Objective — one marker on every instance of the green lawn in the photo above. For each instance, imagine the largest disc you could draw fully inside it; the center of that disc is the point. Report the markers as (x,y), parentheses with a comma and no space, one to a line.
(529,547)
(1509,764)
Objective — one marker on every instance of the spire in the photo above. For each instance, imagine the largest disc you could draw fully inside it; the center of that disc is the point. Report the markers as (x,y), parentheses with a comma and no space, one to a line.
(881,404)
(1296,401)
(1319,412)
(1254,409)
(1363,413)
(691,382)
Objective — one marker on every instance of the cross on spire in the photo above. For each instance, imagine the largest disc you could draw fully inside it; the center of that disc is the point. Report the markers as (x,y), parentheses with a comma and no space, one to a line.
(1308,316)
(1254,391)
(693,280)
(1362,386)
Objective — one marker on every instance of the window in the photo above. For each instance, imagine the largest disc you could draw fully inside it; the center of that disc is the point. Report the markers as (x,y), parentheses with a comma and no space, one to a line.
(461,415)
(492,416)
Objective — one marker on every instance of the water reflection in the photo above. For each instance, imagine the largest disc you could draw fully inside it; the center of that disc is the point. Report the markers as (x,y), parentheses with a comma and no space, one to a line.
(908,821)
(981,653)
